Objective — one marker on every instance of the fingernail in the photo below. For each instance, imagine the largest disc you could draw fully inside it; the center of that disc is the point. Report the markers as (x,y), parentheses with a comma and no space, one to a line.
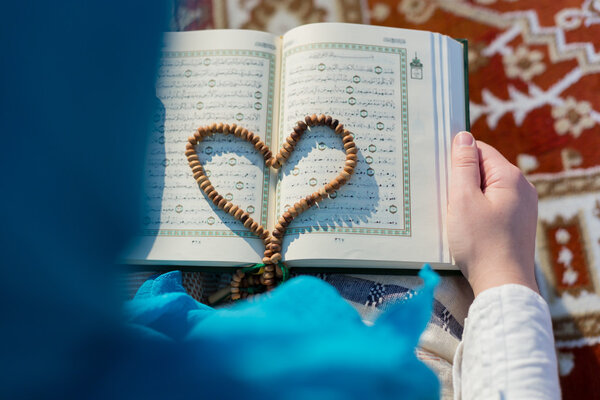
(464,139)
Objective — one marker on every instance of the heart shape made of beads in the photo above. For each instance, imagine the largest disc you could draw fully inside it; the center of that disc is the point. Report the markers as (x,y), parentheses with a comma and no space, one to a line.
(267,278)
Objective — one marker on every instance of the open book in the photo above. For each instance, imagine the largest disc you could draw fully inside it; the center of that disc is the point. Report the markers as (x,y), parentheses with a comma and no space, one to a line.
(402,94)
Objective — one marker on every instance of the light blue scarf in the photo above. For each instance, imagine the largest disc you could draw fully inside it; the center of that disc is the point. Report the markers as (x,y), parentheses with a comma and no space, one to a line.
(301,341)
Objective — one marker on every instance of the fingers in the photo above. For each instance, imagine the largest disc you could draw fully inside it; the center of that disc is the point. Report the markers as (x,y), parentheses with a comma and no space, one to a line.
(496,171)
(466,179)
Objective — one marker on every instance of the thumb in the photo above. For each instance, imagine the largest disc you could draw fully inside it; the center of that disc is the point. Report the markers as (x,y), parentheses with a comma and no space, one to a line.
(465,178)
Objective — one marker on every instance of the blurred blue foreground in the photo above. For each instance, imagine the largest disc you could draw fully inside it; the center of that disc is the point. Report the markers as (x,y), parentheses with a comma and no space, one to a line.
(76,96)
(302,341)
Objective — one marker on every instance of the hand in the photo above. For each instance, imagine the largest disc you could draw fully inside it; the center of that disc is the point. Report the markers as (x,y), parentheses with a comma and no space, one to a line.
(492,216)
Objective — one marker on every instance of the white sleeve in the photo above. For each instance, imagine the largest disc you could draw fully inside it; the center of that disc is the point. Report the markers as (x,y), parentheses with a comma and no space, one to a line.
(507,349)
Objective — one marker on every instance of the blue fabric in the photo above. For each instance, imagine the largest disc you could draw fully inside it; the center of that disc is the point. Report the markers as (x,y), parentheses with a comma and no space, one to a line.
(302,341)
(76,100)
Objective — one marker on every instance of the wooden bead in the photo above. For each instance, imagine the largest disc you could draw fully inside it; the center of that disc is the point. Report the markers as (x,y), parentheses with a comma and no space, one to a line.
(233,209)
(349,170)
(192,140)
(190,152)
(236,278)
(222,203)
(260,230)
(288,217)
(244,134)
(335,184)
(204,185)
(350,163)
(352,157)
(268,253)
(303,204)
(189,145)
(217,198)
(235,296)
(322,192)
(197,168)
(293,212)
(235,290)
(349,145)
(202,179)
(281,223)
(344,175)
(347,139)
(314,120)
(209,189)
(193,157)
(212,195)
(275,257)
(235,284)
(266,260)
(270,268)
(255,139)
(310,200)
(328,120)
(219,127)
(269,275)
(244,217)
(341,181)
(238,213)
(302,125)
(308,120)
(264,150)
(254,226)
(316,196)
(321,119)
(226,129)
(352,150)
(267,155)
(295,136)
(259,145)
(212,127)
(276,240)
(277,233)
(238,131)
(269,283)
(339,129)
(227,207)
(275,163)
(248,223)
(334,124)
(284,153)
(233,128)
(275,248)
(288,147)
(240,273)
(329,188)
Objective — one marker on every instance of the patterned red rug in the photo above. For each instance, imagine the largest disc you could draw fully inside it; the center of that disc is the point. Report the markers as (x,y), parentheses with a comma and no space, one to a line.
(535,95)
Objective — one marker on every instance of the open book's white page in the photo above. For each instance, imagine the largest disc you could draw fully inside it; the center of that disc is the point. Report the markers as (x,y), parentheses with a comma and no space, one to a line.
(205,77)
(379,83)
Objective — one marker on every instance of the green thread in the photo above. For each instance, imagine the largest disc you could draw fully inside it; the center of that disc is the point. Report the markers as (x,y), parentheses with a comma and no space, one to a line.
(285,270)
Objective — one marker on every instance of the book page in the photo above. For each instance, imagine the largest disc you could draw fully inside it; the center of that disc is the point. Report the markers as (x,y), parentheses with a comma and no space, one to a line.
(205,77)
(379,82)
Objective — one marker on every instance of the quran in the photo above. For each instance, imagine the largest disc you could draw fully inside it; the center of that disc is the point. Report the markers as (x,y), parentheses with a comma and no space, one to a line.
(400,92)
